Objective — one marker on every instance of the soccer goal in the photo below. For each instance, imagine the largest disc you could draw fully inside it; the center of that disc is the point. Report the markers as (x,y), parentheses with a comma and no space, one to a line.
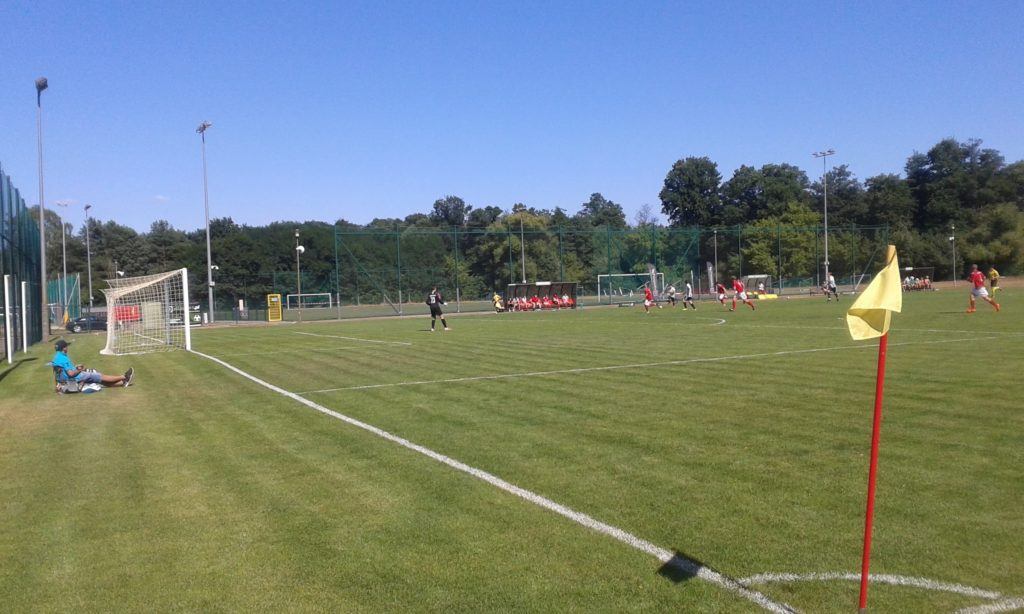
(623,286)
(316,300)
(148,314)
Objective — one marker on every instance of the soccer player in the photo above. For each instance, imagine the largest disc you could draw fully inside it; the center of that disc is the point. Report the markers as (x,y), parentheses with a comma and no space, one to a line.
(671,292)
(434,301)
(720,289)
(741,294)
(977,279)
(648,299)
(88,376)
(830,288)
(688,297)
(993,280)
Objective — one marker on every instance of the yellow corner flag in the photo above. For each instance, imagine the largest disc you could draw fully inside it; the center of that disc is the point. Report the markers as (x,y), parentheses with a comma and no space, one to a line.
(872,311)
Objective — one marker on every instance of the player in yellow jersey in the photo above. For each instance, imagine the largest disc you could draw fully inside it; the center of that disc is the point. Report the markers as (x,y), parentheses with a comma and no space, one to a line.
(993,279)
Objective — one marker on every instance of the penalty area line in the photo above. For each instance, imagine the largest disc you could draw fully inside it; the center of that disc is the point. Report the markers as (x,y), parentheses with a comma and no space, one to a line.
(355,339)
(667,557)
(643,365)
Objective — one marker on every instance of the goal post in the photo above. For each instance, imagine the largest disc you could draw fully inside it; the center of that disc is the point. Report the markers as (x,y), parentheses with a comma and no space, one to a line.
(312,300)
(148,314)
(625,285)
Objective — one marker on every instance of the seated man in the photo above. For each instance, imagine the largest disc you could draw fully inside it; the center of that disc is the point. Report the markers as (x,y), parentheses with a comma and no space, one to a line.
(80,374)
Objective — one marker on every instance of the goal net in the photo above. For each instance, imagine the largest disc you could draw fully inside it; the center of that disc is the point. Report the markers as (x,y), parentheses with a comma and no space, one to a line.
(317,300)
(623,286)
(148,314)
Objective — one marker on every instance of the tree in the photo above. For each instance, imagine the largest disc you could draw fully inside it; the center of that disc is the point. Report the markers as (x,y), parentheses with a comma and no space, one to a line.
(601,212)
(888,200)
(450,211)
(690,193)
(742,196)
(846,203)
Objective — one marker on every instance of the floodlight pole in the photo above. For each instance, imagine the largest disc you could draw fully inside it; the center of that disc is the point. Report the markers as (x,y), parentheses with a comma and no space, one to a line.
(298,274)
(824,184)
(63,256)
(522,245)
(88,255)
(203,127)
(44,322)
(952,240)
(716,255)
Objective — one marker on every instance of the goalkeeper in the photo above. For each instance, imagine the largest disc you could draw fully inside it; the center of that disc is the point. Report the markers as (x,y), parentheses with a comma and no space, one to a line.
(88,376)
(434,301)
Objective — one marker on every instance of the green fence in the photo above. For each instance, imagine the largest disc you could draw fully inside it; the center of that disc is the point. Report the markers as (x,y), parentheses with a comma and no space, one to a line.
(381,272)
(377,272)
(65,299)
(19,262)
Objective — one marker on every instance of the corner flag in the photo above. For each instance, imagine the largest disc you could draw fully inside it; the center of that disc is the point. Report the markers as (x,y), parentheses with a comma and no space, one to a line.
(869,317)
(872,311)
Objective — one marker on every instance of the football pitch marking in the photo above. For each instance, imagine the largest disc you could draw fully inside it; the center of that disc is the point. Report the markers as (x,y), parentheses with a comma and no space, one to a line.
(1000,603)
(356,339)
(667,557)
(646,365)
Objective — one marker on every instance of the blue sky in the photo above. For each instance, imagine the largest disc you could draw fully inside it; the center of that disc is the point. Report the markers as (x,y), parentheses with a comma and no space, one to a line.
(363,110)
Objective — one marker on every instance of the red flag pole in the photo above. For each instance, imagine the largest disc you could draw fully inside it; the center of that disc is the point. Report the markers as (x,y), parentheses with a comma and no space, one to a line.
(876,432)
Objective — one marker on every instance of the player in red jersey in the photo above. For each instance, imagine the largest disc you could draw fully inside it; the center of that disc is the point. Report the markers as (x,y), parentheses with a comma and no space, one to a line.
(648,299)
(720,289)
(977,279)
(741,294)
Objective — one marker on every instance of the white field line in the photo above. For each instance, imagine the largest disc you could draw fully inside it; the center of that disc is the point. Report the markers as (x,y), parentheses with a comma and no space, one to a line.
(688,566)
(1005,605)
(356,339)
(898,330)
(303,351)
(925,583)
(644,365)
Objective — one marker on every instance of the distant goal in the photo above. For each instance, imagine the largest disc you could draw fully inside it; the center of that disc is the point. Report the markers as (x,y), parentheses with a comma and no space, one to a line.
(614,287)
(317,300)
(148,314)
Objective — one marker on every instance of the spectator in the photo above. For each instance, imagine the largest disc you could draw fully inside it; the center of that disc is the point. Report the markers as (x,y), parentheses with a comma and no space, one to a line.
(88,376)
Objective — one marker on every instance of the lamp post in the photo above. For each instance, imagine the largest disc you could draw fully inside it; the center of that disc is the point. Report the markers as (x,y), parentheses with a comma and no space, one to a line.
(952,241)
(88,255)
(824,185)
(63,256)
(203,127)
(44,323)
(298,273)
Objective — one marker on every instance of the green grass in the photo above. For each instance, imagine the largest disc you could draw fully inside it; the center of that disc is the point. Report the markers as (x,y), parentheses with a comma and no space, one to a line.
(199,490)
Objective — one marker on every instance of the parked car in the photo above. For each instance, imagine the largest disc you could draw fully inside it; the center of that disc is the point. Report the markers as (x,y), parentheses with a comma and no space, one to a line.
(87,323)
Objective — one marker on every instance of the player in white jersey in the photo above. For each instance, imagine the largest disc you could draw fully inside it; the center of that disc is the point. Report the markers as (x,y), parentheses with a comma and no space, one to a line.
(688,297)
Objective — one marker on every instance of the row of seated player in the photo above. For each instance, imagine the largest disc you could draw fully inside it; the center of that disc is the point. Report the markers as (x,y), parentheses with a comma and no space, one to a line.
(916,283)
(535,303)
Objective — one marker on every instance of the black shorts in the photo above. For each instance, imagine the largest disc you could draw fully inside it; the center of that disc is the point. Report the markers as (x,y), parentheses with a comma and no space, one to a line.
(435,311)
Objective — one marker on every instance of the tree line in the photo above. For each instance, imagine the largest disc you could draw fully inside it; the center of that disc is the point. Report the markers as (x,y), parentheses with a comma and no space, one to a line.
(751,217)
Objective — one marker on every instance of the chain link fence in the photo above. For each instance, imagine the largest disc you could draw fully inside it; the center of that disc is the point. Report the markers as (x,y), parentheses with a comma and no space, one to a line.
(20,312)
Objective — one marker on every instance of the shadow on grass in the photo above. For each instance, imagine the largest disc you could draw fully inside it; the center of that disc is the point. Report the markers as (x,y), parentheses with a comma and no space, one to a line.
(680,568)
(9,370)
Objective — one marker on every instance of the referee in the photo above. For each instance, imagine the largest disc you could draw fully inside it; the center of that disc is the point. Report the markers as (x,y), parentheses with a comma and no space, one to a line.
(434,301)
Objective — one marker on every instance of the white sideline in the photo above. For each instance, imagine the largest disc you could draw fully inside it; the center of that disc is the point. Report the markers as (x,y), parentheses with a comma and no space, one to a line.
(646,365)
(356,339)
(665,556)
(1006,605)
(907,330)
(925,583)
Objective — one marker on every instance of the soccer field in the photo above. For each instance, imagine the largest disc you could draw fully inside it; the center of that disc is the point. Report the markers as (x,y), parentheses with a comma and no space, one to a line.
(737,441)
